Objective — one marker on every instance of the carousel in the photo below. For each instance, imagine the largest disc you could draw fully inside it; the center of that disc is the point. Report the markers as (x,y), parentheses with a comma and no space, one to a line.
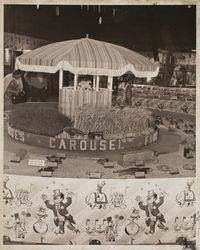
(90,108)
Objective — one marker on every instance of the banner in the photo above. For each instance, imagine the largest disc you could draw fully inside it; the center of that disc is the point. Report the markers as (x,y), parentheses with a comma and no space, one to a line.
(107,212)
(82,144)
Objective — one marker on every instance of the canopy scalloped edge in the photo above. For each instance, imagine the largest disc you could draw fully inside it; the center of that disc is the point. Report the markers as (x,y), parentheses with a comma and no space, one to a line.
(85,71)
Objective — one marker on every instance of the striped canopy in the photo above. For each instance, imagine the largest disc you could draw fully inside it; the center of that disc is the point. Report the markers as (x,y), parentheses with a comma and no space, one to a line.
(87,57)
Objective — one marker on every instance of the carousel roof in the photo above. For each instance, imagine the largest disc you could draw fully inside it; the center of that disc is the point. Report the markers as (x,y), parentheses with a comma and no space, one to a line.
(87,56)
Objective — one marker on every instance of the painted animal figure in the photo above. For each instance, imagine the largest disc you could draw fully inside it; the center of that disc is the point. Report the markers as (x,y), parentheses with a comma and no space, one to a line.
(117,199)
(23,197)
(98,198)
(187,196)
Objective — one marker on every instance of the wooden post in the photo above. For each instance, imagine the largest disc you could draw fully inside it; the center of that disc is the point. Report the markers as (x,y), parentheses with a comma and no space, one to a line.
(60,78)
(75,81)
(94,82)
(97,86)
(110,82)
(110,86)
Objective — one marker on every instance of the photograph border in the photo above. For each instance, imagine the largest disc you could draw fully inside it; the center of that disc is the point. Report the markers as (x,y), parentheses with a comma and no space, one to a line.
(113,2)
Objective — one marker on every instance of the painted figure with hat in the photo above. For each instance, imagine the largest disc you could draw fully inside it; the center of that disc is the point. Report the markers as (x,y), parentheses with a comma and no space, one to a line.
(19,227)
(62,217)
(40,226)
(132,228)
(110,231)
(153,214)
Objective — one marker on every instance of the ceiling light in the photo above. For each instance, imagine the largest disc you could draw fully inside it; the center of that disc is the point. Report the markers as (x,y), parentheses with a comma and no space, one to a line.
(100,20)
(113,11)
(57,11)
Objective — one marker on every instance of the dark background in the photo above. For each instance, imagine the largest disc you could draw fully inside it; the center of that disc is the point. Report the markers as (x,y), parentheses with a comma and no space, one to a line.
(135,27)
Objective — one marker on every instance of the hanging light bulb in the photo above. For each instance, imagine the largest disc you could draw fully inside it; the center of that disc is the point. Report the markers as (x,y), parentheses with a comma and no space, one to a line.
(57,11)
(114,12)
(38,6)
(100,20)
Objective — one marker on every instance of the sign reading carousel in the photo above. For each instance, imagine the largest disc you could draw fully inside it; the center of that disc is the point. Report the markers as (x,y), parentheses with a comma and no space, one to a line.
(82,144)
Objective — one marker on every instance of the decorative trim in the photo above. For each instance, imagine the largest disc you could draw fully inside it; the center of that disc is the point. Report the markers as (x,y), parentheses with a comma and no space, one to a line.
(85,71)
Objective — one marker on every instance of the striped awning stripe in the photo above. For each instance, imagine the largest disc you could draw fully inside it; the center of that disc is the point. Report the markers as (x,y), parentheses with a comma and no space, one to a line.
(87,56)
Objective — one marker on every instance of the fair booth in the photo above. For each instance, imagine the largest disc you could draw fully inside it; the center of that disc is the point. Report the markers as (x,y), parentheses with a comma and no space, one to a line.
(86,57)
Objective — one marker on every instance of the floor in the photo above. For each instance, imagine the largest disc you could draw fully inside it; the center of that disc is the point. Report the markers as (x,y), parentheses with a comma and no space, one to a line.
(80,165)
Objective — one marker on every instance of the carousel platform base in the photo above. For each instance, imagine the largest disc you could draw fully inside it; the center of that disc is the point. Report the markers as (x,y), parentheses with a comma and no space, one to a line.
(83,164)
(81,145)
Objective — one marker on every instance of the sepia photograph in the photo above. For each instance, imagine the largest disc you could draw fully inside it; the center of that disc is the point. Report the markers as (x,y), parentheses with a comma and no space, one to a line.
(99,121)
(100,91)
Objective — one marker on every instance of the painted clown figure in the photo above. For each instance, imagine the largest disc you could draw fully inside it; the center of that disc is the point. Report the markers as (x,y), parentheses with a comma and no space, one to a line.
(61,215)
(19,227)
(153,215)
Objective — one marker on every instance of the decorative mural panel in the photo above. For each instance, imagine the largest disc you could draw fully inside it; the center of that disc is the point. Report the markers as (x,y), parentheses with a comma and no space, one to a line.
(185,58)
(181,58)
(16,42)
(107,212)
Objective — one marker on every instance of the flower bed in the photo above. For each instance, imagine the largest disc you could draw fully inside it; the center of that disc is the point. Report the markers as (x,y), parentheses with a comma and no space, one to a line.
(41,125)
(38,118)
(114,122)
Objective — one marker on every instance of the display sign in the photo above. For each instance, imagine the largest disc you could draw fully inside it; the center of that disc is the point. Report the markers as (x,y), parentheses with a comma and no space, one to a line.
(82,144)
(37,162)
